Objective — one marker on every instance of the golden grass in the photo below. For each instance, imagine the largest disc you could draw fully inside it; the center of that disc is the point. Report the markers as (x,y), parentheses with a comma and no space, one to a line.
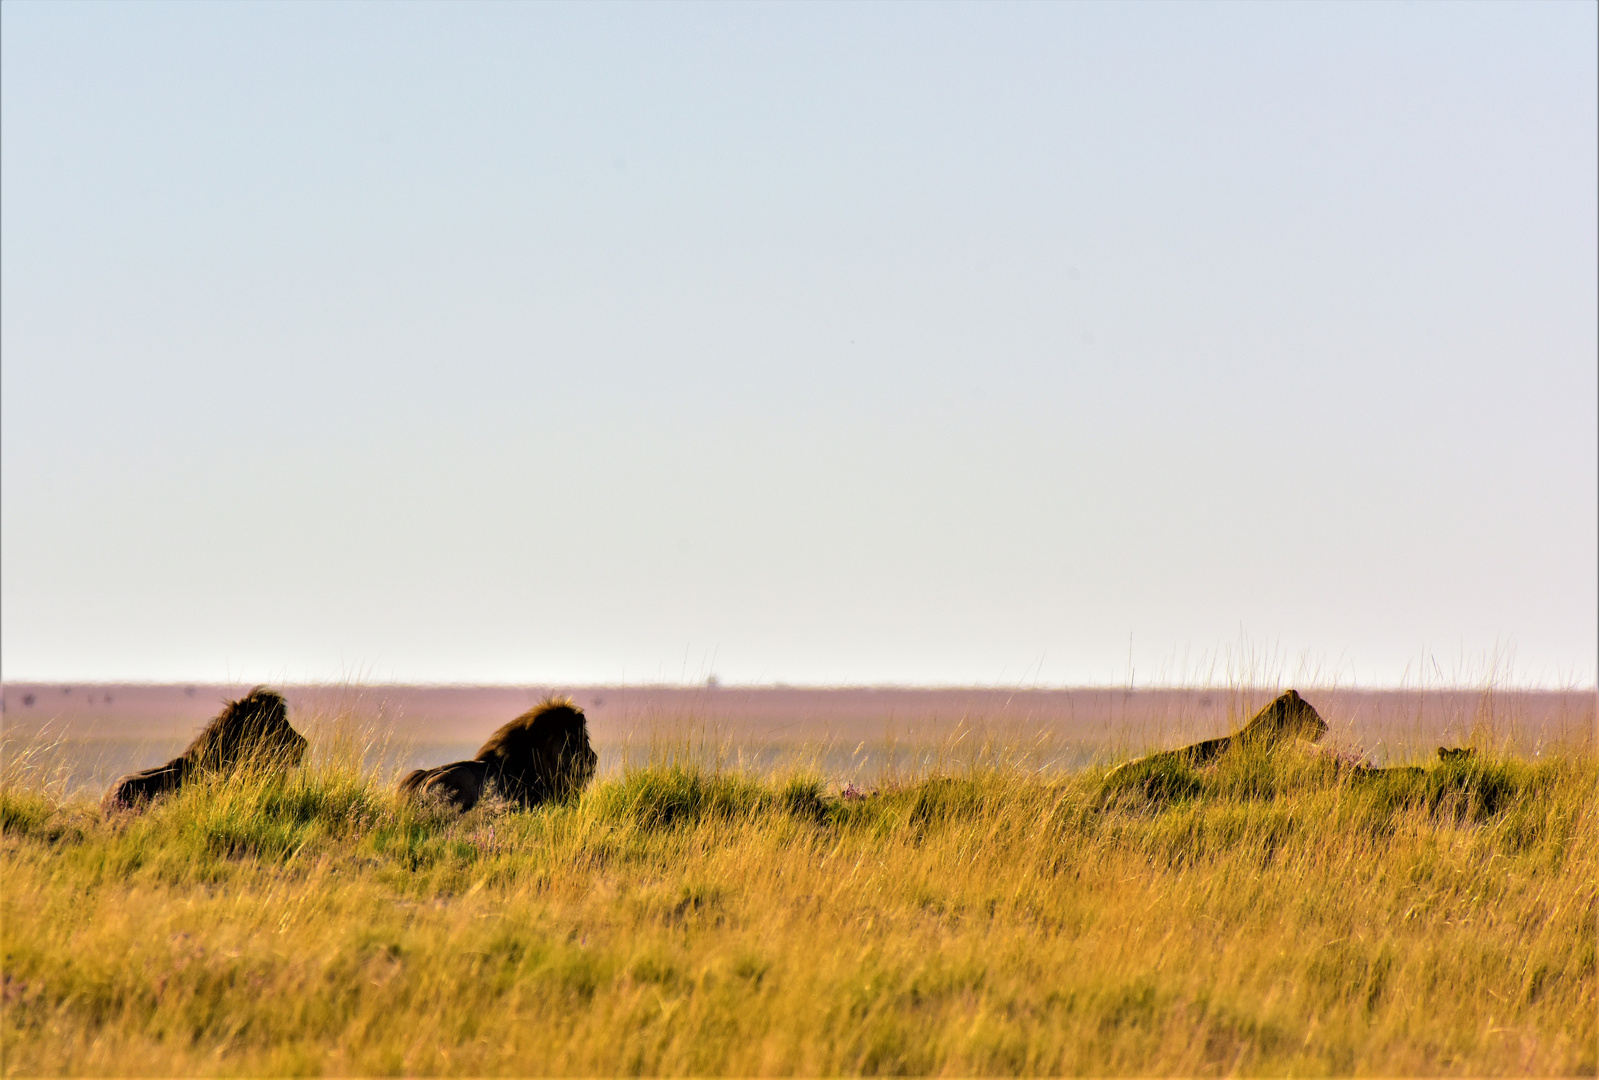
(1275,914)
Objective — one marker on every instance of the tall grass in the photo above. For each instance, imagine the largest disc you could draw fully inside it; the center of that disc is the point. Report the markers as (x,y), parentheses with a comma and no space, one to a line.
(1278,913)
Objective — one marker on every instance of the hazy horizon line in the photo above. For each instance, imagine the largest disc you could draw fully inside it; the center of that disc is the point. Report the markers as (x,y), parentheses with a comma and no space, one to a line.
(721,686)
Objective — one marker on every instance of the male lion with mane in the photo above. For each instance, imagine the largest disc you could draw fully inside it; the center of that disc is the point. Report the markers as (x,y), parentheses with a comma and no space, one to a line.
(541,756)
(253,729)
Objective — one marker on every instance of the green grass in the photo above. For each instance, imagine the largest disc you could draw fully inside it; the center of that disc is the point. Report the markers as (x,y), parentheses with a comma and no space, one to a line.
(1273,914)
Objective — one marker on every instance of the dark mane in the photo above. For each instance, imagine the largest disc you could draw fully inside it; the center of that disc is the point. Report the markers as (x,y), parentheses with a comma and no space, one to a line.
(542,756)
(252,730)
(256,724)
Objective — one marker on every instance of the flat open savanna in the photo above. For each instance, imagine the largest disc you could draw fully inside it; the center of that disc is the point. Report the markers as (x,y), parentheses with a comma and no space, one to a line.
(977,909)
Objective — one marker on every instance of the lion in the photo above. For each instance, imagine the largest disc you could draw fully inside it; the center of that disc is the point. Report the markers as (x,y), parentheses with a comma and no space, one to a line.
(1447,755)
(542,756)
(1288,717)
(253,729)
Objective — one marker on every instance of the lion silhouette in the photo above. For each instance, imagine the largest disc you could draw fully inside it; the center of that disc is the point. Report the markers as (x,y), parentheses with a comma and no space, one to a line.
(1286,718)
(253,729)
(542,756)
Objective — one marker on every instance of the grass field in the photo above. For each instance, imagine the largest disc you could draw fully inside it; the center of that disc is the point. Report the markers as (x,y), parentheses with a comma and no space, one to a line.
(1275,914)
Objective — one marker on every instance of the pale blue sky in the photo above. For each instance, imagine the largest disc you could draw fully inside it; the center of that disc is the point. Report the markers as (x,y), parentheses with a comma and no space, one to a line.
(807,343)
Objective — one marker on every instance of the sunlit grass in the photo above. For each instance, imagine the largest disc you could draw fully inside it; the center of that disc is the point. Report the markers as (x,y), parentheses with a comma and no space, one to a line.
(1275,914)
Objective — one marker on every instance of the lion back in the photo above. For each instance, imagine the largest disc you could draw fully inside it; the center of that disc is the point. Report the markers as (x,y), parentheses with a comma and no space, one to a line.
(460,783)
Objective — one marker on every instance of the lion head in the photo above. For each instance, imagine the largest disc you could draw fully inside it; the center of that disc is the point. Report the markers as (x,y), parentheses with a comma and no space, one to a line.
(252,730)
(543,754)
(1288,717)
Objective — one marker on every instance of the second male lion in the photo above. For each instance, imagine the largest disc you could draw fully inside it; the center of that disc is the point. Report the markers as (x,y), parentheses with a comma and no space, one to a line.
(542,756)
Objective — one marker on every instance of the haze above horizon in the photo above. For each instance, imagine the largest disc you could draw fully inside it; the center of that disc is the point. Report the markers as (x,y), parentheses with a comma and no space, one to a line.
(864,344)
